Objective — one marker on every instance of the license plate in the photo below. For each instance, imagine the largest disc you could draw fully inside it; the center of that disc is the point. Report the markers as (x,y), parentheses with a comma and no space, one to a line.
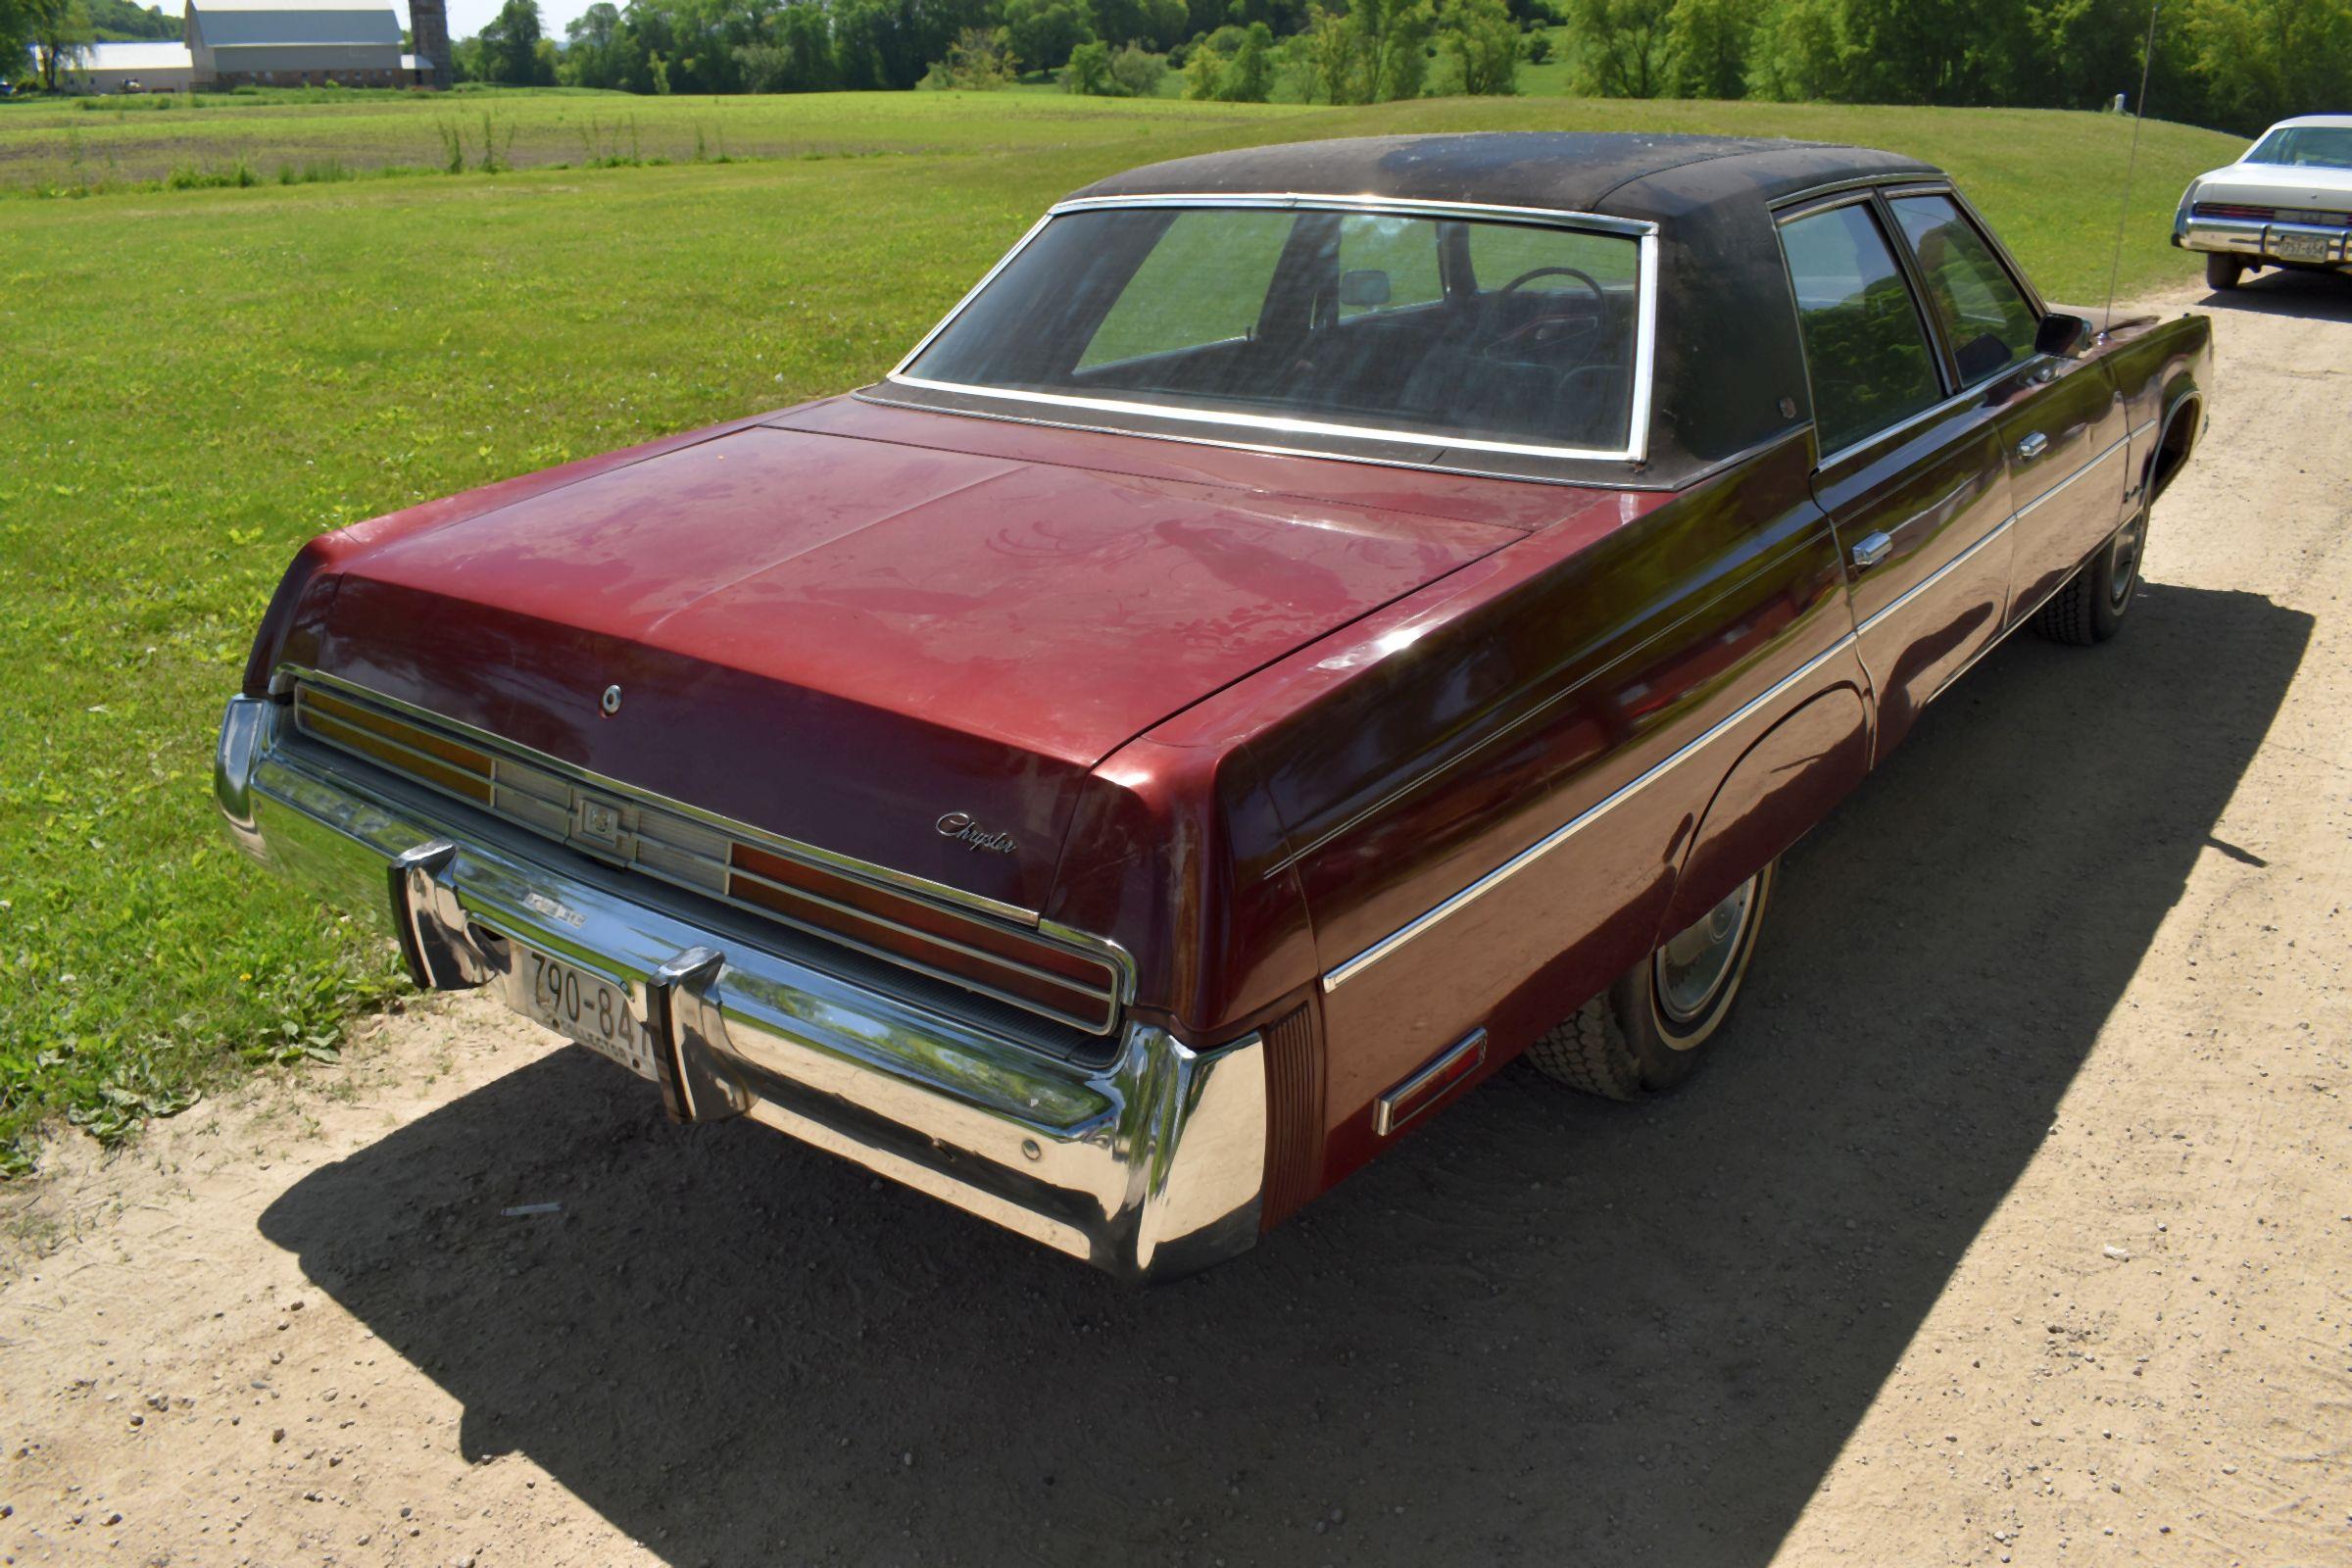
(2300,247)
(579,1005)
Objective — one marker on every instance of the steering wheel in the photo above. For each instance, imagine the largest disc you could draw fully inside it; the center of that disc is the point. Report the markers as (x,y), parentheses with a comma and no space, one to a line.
(1599,297)
(1557,327)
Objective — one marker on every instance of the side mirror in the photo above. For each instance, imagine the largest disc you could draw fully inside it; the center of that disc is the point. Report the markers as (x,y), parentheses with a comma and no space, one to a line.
(1365,289)
(2063,335)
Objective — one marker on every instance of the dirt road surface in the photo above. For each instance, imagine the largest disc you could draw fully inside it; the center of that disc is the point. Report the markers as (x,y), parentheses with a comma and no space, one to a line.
(2015,1225)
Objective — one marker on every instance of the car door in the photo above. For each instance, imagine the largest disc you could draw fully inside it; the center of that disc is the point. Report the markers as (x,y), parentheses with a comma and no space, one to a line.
(2061,418)
(1909,466)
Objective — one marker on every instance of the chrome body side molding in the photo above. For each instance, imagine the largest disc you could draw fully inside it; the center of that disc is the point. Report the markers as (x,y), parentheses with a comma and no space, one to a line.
(1341,974)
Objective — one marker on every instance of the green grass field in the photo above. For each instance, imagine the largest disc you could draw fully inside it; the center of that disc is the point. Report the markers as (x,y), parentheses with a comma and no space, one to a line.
(196,380)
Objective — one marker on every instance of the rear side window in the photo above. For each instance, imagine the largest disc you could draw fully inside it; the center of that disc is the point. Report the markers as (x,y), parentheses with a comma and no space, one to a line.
(1983,313)
(1866,348)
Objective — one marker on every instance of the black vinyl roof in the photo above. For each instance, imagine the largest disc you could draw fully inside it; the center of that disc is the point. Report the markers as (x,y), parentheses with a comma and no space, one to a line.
(1584,172)
(1727,353)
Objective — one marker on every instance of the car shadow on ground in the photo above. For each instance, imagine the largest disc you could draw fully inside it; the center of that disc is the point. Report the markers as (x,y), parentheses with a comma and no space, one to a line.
(2279,291)
(1546,1330)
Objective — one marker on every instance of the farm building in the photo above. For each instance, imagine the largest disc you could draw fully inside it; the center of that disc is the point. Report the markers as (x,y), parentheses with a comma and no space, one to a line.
(282,44)
(151,65)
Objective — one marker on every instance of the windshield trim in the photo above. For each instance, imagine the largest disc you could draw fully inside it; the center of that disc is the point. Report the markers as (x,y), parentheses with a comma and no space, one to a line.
(1646,234)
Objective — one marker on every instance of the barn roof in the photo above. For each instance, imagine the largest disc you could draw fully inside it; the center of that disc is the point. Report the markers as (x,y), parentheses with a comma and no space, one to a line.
(243,24)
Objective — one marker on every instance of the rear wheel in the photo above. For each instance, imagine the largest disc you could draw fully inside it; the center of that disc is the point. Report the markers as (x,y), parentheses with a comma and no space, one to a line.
(1645,1032)
(2090,608)
(2223,270)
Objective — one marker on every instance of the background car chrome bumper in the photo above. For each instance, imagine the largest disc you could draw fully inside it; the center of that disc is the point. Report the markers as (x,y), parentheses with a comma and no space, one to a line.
(2245,236)
(1148,1166)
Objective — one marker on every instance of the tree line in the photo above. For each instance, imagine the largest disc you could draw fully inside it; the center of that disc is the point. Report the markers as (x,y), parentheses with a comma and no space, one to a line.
(2232,64)
(2238,65)
(1247,50)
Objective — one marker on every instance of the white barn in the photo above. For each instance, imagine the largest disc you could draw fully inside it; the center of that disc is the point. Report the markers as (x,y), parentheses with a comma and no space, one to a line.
(147,64)
(282,43)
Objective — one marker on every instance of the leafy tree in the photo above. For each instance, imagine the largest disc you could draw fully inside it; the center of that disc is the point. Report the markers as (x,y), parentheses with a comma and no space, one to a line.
(1375,51)
(1485,45)
(2264,60)
(1158,24)
(1204,67)
(1139,71)
(1043,32)
(1622,46)
(1250,79)
(510,44)
(121,18)
(1089,71)
(1707,41)
(61,31)
(1799,53)
(979,59)
(16,37)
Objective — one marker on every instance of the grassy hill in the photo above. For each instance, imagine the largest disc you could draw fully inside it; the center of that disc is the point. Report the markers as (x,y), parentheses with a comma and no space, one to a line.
(200,379)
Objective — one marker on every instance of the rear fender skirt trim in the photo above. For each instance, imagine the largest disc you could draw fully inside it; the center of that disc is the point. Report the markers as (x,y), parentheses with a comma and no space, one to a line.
(1341,974)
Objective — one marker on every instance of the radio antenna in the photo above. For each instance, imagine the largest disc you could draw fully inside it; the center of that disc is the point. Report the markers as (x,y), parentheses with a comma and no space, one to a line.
(2123,221)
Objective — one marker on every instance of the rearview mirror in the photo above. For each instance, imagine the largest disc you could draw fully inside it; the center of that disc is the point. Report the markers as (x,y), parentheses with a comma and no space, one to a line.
(1364,289)
(2063,335)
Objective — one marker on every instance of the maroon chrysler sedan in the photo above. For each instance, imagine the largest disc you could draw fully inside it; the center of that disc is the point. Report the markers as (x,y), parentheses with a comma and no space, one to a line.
(1311,625)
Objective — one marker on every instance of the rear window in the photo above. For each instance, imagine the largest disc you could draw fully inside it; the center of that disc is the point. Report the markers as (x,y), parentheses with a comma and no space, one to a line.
(2306,147)
(1438,330)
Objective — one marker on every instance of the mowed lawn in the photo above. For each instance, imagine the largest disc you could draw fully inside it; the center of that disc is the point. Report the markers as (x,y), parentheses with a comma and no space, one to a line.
(197,380)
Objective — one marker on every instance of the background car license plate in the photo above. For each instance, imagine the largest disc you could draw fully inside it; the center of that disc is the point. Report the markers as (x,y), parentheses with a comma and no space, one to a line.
(579,1005)
(2302,247)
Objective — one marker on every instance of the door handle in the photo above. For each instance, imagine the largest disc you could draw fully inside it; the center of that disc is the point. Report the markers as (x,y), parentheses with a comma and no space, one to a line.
(1872,550)
(2033,446)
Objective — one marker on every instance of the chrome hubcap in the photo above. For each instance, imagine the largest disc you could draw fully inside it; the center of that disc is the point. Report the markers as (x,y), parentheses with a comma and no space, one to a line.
(1694,965)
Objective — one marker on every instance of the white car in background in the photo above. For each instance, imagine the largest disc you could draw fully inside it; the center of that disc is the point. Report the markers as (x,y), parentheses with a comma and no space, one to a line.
(2286,203)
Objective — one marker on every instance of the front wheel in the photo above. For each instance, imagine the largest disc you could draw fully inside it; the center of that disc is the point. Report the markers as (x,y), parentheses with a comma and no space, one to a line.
(2223,270)
(1645,1032)
(2090,608)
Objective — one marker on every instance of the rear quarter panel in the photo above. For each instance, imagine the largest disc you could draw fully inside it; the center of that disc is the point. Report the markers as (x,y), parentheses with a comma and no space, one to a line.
(2162,370)
(1538,691)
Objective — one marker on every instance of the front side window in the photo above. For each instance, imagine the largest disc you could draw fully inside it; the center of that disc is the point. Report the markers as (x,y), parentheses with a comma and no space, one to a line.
(1438,331)
(1866,350)
(1984,314)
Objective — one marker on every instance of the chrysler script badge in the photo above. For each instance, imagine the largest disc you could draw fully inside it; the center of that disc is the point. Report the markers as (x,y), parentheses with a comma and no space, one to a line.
(960,827)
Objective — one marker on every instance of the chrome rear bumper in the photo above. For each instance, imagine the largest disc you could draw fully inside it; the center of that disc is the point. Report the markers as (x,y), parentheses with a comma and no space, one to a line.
(2259,241)
(1148,1165)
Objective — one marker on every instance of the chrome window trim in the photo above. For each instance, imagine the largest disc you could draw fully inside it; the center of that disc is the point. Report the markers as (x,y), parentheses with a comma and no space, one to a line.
(758,838)
(1271,449)
(1339,974)
(1901,427)
(1863,195)
(1644,232)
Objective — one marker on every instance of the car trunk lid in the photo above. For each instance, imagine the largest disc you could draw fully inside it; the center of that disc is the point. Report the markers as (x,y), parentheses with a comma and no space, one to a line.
(903,655)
